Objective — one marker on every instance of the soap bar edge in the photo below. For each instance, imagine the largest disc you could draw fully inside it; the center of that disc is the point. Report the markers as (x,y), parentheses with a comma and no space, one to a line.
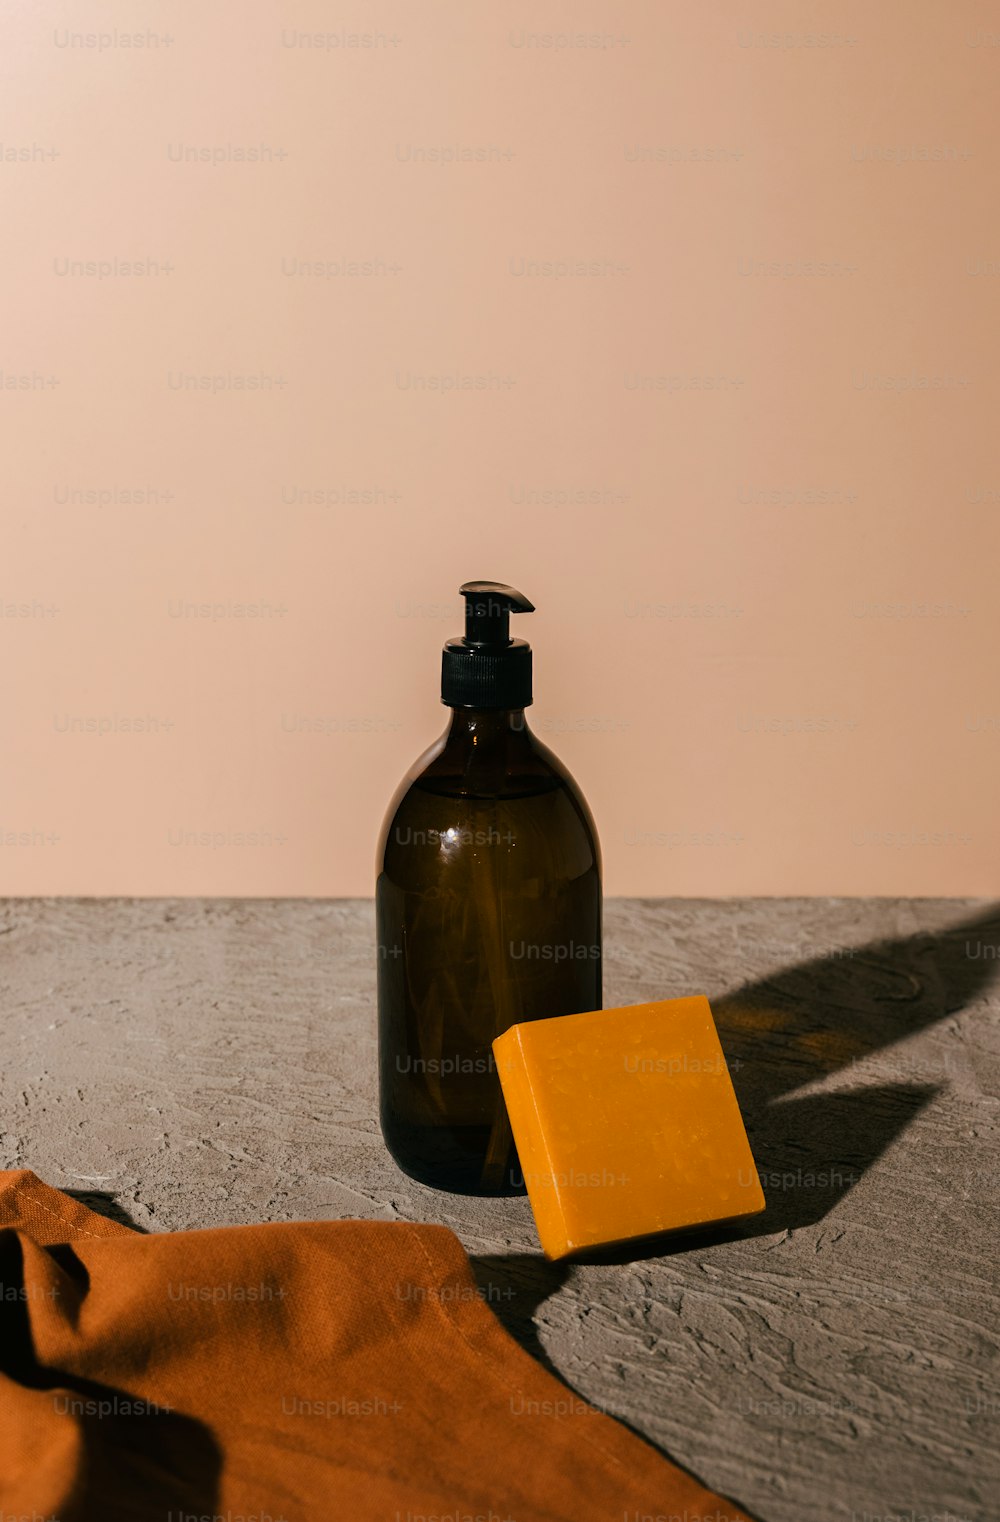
(508,1050)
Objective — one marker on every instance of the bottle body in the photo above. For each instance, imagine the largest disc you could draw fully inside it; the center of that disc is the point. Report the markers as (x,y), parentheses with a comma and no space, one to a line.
(488,910)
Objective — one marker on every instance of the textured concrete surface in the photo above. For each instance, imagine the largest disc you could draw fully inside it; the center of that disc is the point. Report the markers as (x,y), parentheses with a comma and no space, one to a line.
(192,1063)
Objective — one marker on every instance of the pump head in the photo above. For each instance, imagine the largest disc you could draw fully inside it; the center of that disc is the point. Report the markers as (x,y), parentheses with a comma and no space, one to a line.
(488,669)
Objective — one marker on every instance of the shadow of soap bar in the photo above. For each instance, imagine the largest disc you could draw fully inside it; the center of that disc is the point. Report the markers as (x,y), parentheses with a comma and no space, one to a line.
(626,1124)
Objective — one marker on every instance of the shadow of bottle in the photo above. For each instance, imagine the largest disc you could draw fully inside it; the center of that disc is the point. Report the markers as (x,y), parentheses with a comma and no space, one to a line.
(820,1018)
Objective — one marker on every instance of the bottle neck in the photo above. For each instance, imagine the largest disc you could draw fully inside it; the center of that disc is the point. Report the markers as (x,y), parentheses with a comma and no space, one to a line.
(487,726)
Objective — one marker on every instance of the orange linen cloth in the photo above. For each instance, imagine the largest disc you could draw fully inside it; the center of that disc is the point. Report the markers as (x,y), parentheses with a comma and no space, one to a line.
(285,1373)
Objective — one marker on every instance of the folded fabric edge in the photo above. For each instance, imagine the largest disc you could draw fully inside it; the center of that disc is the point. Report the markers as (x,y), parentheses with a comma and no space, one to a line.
(48,1215)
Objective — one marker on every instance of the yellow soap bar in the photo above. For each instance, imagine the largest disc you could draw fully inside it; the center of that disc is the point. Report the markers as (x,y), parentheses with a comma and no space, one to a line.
(626,1124)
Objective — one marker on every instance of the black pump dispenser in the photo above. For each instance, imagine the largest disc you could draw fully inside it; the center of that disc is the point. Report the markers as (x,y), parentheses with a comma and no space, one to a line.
(487,669)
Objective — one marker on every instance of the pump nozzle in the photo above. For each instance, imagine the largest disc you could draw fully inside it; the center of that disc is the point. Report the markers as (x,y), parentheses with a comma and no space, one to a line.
(488,669)
(488,606)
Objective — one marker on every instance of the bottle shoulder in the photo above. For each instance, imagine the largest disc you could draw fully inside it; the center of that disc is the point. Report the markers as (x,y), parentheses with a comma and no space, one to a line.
(406,786)
(520,767)
(526,779)
(569,785)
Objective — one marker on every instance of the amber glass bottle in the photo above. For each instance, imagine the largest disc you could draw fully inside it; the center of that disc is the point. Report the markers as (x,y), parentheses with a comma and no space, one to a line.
(488,909)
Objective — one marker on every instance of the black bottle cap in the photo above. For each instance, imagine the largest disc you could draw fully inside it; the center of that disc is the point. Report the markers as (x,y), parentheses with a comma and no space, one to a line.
(488,669)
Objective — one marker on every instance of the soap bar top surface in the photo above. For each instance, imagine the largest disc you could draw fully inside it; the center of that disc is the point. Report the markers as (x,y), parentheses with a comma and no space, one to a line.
(626,1123)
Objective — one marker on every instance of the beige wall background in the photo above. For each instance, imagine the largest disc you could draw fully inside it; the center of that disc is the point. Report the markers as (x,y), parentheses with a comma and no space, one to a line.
(681,318)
